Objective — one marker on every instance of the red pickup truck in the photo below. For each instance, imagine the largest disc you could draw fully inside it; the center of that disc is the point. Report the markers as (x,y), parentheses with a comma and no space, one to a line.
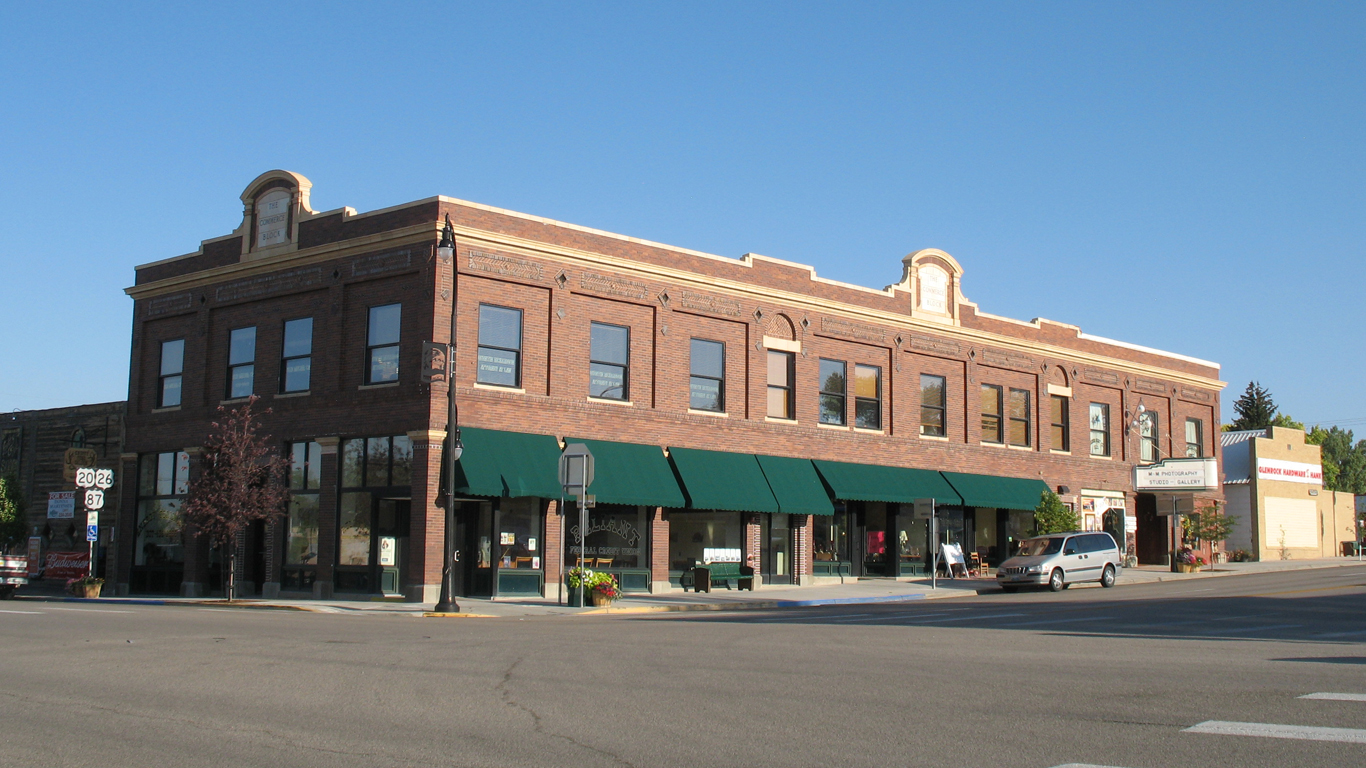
(13,572)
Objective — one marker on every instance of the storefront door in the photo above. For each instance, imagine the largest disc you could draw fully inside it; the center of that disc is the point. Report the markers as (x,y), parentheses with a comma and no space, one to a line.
(391,543)
(372,543)
(775,561)
(473,567)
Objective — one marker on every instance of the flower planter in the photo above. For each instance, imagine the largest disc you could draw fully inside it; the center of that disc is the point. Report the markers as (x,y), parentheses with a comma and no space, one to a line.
(1187,568)
(89,591)
(599,600)
(574,600)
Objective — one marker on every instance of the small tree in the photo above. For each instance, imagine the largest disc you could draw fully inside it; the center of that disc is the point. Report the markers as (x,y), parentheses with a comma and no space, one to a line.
(241,480)
(1052,516)
(13,520)
(1211,525)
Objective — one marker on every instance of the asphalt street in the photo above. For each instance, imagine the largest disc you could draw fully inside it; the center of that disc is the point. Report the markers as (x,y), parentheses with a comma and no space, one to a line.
(1261,670)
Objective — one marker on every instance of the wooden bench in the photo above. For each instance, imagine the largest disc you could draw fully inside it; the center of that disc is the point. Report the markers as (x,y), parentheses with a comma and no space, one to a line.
(703,576)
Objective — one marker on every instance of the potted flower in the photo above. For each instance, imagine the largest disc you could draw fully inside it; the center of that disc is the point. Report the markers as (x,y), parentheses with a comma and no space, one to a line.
(1187,561)
(605,590)
(85,586)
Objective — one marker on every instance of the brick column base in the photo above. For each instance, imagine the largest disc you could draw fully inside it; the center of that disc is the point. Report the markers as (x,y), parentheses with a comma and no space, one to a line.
(803,557)
(552,556)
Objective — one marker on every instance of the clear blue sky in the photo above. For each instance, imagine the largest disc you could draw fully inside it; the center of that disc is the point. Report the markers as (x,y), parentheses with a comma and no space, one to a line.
(1191,179)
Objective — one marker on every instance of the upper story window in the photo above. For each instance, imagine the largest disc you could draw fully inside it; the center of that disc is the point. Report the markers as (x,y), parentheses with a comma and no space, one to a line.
(1061,423)
(867,397)
(707,380)
(1020,418)
(1147,437)
(781,372)
(172,367)
(381,343)
(1100,429)
(993,429)
(1195,438)
(609,355)
(296,356)
(241,362)
(833,386)
(500,346)
(932,406)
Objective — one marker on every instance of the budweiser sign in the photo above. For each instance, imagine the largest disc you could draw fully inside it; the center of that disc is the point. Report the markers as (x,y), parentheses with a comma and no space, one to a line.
(66,565)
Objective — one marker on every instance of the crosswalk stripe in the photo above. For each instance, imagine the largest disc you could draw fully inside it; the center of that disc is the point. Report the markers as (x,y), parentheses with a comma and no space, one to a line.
(31,613)
(1083,765)
(1274,731)
(1335,696)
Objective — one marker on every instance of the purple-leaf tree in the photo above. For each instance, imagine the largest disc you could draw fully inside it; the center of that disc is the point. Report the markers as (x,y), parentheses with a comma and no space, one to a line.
(241,480)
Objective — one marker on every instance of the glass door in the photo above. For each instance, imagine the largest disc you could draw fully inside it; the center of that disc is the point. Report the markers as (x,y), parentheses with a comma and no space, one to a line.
(391,543)
(776,561)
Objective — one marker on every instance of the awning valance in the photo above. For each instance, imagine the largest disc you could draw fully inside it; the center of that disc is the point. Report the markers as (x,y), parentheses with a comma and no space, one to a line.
(796,486)
(630,473)
(997,492)
(497,463)
(721,480)
(869,482)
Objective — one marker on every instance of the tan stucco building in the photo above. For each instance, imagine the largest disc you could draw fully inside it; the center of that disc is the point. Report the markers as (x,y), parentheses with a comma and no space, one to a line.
(1273,481)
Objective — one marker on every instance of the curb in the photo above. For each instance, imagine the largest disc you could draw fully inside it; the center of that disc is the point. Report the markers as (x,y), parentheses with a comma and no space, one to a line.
(172,603)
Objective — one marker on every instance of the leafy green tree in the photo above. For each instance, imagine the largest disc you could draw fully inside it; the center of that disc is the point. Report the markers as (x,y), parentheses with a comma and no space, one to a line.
(13,520)
(1344,461)
(1255,408)
(1052,516)
(1282,420)
(1211,525)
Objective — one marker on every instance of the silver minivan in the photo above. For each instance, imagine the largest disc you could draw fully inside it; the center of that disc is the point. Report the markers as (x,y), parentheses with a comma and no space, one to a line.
(1060,560)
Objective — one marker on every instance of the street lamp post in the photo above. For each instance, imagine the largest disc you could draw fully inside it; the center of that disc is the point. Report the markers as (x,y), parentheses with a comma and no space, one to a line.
(446,603)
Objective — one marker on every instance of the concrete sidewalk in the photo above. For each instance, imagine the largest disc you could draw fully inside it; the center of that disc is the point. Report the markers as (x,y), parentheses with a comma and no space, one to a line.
(852,592)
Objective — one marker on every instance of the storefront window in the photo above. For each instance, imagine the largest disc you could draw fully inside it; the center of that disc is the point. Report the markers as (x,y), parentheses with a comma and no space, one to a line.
(301,534)
(163,479)
(875,538)
(519,533)
(704,537)
(830,536)
(914,539)
(617,537)
(353,529)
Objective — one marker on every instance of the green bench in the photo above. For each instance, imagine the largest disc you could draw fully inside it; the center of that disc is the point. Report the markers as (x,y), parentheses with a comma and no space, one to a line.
(704,576)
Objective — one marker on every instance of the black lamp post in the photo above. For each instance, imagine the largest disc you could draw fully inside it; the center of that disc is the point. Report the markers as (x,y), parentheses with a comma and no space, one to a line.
(446,603)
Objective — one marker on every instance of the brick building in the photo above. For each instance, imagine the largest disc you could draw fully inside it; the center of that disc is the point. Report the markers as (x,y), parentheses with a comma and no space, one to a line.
(739,409)
(42,449)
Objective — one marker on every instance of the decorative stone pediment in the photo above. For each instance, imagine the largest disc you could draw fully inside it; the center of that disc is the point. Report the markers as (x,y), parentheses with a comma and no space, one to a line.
(272,205)
(934,280)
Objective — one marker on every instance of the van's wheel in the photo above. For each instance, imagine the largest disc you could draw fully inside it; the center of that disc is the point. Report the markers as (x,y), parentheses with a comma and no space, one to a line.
(1107,577)
(1055,582)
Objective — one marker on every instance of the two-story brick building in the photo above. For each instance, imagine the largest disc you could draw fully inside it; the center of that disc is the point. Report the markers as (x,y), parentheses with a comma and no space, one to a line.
(739,409)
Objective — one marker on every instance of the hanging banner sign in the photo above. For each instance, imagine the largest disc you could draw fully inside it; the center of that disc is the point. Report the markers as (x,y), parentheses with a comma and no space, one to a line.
(66,565)
(1289,471)
(1178,475)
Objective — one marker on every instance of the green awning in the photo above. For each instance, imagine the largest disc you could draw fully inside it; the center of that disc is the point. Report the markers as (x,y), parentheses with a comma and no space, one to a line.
(720,480)
(991,491)
(497,463)
(629,473)
(869,482)
(796,486)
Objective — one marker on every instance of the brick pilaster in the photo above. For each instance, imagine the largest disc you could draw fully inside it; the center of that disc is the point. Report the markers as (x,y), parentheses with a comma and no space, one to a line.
(427,521)
(802,553)
(125,538)
(753,543)
(659,551)
(552,549)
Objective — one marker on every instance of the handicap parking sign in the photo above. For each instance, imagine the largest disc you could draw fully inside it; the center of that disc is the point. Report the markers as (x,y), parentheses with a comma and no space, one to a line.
(92,533)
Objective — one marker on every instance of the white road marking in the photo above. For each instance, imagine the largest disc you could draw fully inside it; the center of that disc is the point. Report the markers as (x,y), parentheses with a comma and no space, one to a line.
(31,613)
(1273,731)
(1335,696)
(1344,634)
(975,618)
(87,610)
(1083,765)
(1061,621)
(1258,629)
(853,617)
(884,617)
